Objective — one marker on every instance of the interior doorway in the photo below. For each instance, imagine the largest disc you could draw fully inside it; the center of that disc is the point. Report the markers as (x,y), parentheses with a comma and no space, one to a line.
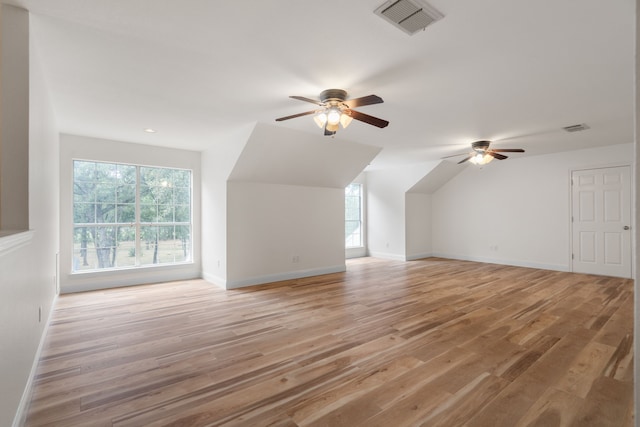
(601,221)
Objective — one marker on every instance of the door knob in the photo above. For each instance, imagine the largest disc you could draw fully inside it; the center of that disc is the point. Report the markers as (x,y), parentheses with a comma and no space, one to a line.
(626,227)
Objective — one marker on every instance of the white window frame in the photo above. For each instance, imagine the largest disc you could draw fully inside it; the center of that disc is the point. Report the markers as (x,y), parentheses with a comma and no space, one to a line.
(76,147)
(359,251)
(137,224)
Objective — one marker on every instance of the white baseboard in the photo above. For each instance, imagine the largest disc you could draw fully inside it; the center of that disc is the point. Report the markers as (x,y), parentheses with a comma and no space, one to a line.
(553,267)
(417,256)
(21,414)
(218,281)
(386,255)
(259,280)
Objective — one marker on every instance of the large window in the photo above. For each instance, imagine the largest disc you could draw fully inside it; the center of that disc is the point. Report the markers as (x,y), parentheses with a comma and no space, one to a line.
(128,216)
(353,216)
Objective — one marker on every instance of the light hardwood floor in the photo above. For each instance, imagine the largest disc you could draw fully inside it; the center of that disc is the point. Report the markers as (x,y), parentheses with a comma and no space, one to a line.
(431,342)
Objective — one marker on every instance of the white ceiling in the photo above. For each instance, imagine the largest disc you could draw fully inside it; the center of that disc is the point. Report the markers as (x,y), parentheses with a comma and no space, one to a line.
(512,71)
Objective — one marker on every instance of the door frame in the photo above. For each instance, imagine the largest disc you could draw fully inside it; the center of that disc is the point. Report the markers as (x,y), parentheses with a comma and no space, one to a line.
(632,201)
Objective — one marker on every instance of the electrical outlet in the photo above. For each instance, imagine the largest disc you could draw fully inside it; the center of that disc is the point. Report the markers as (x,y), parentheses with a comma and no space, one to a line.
(295,259)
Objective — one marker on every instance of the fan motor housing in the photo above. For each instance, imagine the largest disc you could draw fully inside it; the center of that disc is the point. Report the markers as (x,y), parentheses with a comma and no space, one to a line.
(480,145)
(333,94)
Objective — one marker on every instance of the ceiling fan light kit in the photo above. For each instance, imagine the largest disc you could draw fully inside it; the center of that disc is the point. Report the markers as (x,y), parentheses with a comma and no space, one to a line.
(335,110)
(481,159)
(481,154)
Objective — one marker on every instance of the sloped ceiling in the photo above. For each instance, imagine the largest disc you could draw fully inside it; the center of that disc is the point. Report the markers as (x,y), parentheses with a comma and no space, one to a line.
(436,177)
(284,156)
(514,72)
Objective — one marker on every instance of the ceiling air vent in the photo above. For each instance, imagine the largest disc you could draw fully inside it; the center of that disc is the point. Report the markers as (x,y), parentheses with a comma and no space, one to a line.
(576,128)
(409,16)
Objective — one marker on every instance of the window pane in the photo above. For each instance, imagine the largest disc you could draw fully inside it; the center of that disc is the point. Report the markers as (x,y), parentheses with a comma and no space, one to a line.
(183,214)
(94,248)
(168,247)
(105,213)
(84,191)
(352,208)
(83,249)
(148,238)
(105,193)
(127,174)
(352,234)
(83,171)
(126,247)
(182,178)
(353,215)
(183,243)
(105,172)
(182,196)
(84,213)
(126,193)
(104,239)
(166,244)
(165,213)
(108,193)
(148,213)
(126,213)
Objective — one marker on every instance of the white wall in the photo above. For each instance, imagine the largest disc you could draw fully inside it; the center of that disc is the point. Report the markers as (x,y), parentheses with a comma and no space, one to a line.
(385,207)
(217,164)
(418,226)
(14,154)
(284,207)
(85,148)
(387,211)
(28,269)
(269,225)
(514,212)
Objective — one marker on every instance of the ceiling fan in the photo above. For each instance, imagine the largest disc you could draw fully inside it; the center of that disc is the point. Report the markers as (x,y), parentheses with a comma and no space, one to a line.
(481,154)
(335,109)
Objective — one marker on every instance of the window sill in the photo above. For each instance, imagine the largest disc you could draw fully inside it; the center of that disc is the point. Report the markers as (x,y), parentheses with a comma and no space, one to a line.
(124,270)
(11,240)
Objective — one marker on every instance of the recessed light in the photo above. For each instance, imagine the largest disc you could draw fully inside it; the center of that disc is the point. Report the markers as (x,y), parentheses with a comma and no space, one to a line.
(149,130)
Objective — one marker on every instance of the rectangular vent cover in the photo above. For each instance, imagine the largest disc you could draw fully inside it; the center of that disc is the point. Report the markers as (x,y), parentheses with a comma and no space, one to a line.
(576,128)
(409,16)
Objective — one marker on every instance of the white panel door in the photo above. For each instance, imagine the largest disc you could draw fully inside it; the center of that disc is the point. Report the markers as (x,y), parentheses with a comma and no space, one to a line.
(601,219)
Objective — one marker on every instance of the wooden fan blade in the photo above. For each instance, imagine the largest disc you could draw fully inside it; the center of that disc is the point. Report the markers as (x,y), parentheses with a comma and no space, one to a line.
(302,98)
(293,116)
(453,155)
(365,100)
(368,119)
(507,150)
(464,160)
(496,155)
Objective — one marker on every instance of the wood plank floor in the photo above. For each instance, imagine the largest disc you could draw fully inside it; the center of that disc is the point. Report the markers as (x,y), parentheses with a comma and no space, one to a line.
(432,342)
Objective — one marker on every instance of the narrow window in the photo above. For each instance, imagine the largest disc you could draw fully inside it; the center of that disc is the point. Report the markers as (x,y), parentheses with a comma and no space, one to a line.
(128,216)
(353,216)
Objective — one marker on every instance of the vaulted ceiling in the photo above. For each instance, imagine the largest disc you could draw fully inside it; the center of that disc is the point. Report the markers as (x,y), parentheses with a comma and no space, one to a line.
(515,72)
